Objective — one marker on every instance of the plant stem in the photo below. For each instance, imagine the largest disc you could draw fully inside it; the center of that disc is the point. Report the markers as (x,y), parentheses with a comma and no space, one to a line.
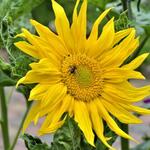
(124,142)
(10,94)
(19,130)
(4,123)
(129,9)
(124,4)
(1,121)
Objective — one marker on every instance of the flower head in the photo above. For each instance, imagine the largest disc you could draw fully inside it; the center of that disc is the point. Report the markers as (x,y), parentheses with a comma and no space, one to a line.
(83,76)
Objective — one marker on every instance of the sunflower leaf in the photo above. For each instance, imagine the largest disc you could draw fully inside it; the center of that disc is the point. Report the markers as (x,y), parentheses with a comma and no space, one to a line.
(70,137)
(6,80)
(67,137)
(123,22)
(34,143)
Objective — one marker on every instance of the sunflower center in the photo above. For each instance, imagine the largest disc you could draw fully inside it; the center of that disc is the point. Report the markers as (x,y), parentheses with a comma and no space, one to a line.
(83,77)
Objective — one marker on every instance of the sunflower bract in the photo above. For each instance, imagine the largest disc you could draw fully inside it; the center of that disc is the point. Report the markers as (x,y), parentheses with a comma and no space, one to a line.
(83,76)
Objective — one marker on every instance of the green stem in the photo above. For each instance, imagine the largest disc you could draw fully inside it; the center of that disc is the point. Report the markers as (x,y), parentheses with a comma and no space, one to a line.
(129,9)
(10,94)
(124,142)
(4,123)
(1,121)
(124,4)
(19,130)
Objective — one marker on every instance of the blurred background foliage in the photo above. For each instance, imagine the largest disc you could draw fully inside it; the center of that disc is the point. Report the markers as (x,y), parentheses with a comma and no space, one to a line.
(15,14)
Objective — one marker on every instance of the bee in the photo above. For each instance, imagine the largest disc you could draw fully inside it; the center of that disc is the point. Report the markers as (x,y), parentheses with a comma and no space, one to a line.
(72,69)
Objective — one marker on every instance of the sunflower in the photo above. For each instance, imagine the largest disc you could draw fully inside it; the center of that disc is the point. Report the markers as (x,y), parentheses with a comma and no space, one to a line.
(83,76)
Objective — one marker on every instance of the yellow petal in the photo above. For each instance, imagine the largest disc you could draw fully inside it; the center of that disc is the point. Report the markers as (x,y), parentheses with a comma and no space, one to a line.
(136,62)
(78,27)
(136,109)
(38,91)
(28,49)
(54,95)
(31,115)
(112,94)
(42,72)
(50,39)
(64,108)
(119,112)
(122,73)
(45,65)
(21,35)
(71,107)
(31,38)
(122,34)
(98,124)
(124,92)
(74,18)
(94,32)
(49,116)
(82,19)
(40,77)
(43,31)
(117,55)
(82,118)
(62,25)
(52,128)
(110,122)
(105,41)
(54,117)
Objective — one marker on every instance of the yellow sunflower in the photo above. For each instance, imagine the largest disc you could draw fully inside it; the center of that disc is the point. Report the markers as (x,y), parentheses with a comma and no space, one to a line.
(81,75)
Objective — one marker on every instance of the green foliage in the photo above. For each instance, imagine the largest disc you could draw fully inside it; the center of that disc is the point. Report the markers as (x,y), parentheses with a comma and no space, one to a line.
(16,8)
(6,80)
(13,16)
(68,137)
(100,3)
(140,16)
(34,143)
(123,22)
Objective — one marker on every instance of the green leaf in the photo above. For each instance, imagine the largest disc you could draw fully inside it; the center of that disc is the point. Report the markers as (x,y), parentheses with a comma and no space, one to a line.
(17,8)
(6,80)
(122,22)
(70,137)
(5,67)
(34,143)
(67,137)
(100,3)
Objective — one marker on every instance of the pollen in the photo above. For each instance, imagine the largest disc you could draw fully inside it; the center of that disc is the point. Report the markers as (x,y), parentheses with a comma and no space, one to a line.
(82,76)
